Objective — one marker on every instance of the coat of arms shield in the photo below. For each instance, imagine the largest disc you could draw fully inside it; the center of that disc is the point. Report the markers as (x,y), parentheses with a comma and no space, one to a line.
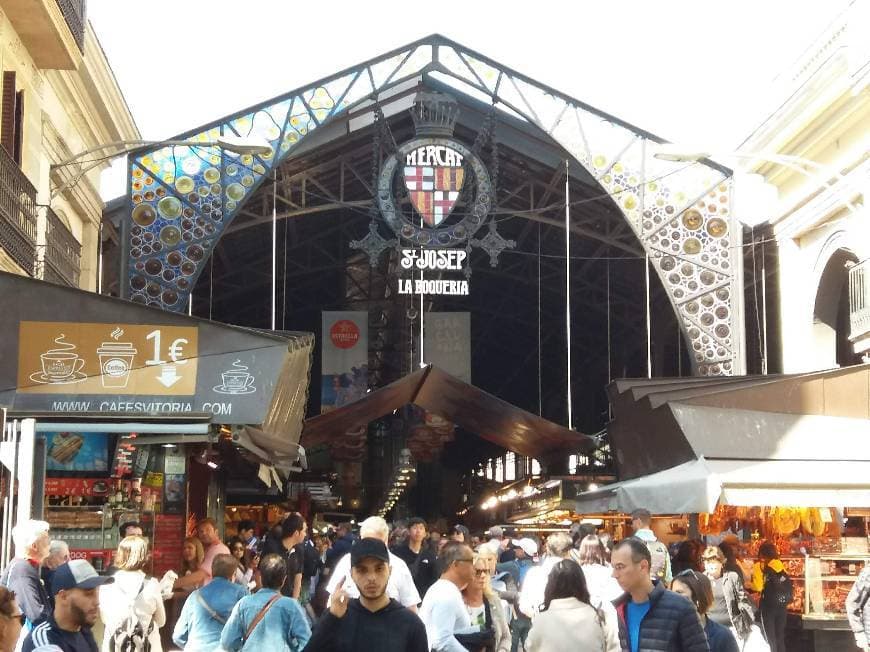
(434,187)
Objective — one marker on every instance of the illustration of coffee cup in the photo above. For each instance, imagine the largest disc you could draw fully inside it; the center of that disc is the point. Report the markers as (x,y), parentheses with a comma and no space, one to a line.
(236,380)
(116,361)
(58,366)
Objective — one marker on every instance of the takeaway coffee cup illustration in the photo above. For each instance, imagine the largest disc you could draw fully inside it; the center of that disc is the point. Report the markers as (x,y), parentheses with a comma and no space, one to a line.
(116,361)
(60,365)
(236,380)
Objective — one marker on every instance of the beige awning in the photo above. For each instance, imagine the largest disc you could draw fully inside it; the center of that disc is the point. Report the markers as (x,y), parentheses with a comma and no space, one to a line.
(701,485)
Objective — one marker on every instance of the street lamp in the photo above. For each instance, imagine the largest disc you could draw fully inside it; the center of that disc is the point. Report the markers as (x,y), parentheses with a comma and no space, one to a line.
(235,144)
(689,154)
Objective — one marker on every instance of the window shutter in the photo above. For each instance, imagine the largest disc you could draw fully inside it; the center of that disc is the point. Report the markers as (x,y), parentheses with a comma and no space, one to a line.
(18,132)
(7,113)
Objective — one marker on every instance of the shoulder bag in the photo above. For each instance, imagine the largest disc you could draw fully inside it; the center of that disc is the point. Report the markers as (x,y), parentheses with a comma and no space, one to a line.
(211,612)
(260,616)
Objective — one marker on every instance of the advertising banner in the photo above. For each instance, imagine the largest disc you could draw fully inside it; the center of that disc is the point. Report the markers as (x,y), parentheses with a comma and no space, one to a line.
(345,360)
(72,451)
(447,343)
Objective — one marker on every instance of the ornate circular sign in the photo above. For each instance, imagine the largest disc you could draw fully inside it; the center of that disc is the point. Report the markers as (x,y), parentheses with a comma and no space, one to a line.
(434,173)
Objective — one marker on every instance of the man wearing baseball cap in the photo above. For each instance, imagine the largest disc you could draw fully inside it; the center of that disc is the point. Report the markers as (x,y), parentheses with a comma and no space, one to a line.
(76,607)
(374,620)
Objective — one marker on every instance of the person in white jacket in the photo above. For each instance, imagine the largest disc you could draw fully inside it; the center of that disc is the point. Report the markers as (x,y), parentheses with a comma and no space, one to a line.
(132,592)
(595,562)
(566,621)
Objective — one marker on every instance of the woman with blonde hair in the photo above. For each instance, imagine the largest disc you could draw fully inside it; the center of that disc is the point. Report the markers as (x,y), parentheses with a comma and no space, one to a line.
(133,594)
(485,608)
(192,554)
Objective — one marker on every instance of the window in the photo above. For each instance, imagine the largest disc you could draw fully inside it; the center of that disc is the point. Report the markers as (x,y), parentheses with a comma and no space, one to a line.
(572,464)
(12,117)
(536,467)
(510,467)
(499,469)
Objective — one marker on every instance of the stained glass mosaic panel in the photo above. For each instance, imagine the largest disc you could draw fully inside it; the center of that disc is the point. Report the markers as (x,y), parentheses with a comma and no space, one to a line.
(182,197)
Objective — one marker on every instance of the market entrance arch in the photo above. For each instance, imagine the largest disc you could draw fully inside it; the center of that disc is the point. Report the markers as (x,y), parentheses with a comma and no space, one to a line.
(186,197)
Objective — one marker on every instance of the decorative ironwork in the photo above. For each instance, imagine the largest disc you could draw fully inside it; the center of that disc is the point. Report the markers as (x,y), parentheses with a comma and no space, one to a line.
(74,12)
(493,244)
(62,262)
(17,214)
(372,245)
(679,212)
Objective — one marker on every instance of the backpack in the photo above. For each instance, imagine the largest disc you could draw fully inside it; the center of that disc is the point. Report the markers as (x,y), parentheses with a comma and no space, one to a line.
(129,635)
(310,560)
(778,589)
(659,556)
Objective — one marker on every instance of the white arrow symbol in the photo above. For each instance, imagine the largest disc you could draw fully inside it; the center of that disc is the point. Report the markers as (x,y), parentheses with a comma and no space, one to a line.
(167,376)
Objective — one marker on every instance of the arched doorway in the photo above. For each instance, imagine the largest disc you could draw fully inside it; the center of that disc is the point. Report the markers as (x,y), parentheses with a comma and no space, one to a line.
(184,198)
(831,344)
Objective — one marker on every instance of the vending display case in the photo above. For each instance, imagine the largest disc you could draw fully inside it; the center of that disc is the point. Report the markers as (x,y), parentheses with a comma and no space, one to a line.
(92,531)
(828,580)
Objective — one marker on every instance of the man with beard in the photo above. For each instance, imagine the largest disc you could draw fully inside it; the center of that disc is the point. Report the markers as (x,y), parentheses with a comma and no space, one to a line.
(76,608)
(374,619)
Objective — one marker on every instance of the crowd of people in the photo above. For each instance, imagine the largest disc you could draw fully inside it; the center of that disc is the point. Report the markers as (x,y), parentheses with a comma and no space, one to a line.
(403,589)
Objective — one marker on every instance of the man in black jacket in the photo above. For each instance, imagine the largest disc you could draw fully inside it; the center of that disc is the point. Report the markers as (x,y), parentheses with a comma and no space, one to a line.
(374,621)
(74,587)
(651,618)
(419,556)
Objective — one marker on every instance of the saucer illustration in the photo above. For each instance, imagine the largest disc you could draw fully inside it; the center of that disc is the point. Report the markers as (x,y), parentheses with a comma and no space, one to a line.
(220,389)
(42,378)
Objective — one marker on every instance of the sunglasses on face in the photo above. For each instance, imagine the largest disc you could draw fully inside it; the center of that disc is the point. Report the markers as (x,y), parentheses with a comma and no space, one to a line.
(481,571)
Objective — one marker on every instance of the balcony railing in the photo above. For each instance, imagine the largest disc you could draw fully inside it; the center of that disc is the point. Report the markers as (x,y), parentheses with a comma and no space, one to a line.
(63,253)
(74,13)
(17,214)
(859,300)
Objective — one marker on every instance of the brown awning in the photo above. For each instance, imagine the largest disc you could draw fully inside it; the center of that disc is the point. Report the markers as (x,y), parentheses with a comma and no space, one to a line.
(661,423)
(469,407)
(240,376)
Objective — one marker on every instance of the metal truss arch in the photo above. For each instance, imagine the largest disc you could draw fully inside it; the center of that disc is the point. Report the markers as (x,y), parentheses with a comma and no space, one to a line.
(182,199)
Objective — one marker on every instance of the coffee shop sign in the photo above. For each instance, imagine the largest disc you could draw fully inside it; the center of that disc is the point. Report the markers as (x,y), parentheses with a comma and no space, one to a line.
(439,260)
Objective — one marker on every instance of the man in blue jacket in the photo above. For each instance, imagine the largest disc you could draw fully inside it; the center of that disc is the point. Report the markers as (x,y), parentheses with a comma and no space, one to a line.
(206,610)
(651,618)
(267,621)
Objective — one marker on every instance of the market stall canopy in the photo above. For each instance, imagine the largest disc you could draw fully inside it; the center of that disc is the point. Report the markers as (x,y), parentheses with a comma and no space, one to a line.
(688,444)
(75,353)
(474,410)
(661,423)
(701,485)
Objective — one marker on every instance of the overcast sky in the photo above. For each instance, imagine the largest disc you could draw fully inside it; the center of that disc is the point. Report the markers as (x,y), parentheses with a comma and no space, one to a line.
(690,71)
